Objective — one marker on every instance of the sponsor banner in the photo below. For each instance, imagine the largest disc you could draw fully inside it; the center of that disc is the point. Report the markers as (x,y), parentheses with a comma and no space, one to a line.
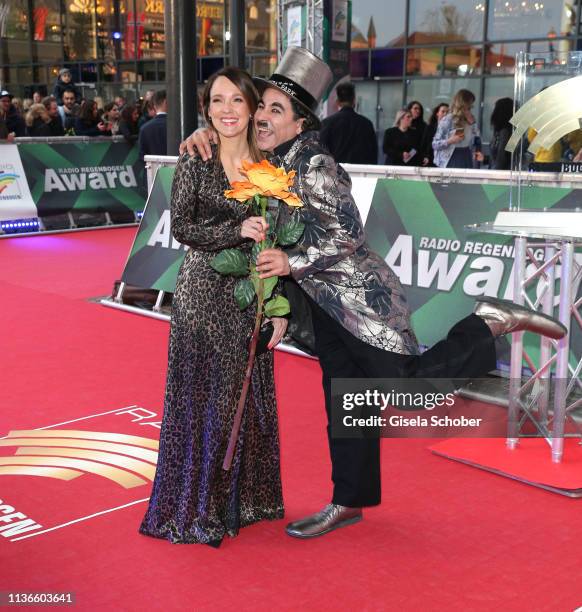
(155,256)
(84,176)
(419,229)
(15,199)
(59,475)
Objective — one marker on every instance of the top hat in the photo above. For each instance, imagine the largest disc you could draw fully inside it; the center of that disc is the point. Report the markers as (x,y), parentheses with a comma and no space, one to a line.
(302,76)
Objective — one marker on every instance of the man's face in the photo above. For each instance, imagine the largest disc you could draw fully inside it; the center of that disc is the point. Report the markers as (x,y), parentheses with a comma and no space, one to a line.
(274,120)
(69,99)
(5,103)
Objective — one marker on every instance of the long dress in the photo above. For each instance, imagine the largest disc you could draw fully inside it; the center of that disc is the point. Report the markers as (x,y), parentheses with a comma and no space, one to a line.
(193,499)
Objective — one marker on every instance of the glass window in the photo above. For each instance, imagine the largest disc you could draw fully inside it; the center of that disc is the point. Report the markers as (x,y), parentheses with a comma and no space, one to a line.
(424,61)
(262,65)
(47,32)
(531,19)
(551,46)
(373,28)
(500,58)
(261,25)
(359,64)
(14,31)
(495,88)
(367,99)
(430,92)
(80,30)
(145,30)
(445,21)
(462,61)
(390,102)
(211,25)
(387,62)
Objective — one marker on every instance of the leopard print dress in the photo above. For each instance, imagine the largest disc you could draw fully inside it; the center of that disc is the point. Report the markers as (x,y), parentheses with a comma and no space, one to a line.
(193,498)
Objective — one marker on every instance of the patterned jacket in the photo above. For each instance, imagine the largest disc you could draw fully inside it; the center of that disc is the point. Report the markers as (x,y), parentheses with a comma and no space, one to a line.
(332,262)
(443,151)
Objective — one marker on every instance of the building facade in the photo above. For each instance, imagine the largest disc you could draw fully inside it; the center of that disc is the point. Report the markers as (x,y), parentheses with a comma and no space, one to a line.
(402,50)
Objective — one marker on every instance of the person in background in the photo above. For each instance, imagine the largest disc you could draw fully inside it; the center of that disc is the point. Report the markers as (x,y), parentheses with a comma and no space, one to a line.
(55,122)
(147,110)
(399,141)
(64,83)
(427,152)
(88,123)
(111,115)
(418,125)
(128,123)
(347,135)
(17,103)
(502,113)
(26,104)
(120,102)
(36,98)
(10,115)
(455,139)
(37,121)
(68,111)
(153,135)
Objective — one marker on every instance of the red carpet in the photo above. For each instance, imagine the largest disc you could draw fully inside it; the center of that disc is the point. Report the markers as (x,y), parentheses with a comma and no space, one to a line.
(529,462)
(447,537)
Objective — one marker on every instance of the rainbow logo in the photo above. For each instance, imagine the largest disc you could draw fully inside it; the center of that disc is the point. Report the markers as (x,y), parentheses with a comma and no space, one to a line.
(7,179)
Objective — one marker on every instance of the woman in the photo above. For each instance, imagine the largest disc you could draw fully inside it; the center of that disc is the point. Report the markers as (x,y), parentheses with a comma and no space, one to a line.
(88,123)
(399,141)
(111,116)
(502,113)
(438,113)
(193,499)
(418,125)
(457,136)
(128,123)
(37,121)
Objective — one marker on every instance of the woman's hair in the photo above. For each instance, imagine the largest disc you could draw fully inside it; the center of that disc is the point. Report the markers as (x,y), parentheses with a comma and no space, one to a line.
(411,104)
(86,111)
(399,116)
(462,100)
(502,113)
(127,112)
(35,111)
(239,78)
(433,117)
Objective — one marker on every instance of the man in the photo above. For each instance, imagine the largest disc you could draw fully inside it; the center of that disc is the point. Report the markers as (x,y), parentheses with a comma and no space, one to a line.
(56,123)
(68,111)
(357,322)
(153,135)
(10,116)
(65,83)
(348,136)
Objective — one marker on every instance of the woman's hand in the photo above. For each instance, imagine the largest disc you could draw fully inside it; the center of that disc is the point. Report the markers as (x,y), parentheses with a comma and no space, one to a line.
(254,228)
(455,138)
(279,329)
(479,156)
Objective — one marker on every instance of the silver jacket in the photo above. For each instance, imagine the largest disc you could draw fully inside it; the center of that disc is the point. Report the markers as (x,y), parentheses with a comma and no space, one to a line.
(332,262)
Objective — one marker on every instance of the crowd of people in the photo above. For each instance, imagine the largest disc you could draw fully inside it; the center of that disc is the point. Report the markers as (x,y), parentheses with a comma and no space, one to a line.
(67,113)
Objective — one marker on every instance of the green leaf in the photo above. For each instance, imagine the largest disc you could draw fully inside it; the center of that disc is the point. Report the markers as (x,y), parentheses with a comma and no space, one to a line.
(244,293)
(268,284)
(290,232)
(255,252)
(230,261)
(277,307)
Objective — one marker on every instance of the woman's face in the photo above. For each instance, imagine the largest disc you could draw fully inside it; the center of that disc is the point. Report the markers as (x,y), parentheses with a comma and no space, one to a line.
(228,109)
(415,111)
(442,111)
(405,121)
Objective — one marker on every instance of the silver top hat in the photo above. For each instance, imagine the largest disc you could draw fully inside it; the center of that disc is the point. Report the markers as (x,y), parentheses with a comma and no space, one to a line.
(302,76)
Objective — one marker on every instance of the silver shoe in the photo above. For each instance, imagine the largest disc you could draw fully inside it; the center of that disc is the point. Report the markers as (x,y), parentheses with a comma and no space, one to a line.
(333,516)
(504,317)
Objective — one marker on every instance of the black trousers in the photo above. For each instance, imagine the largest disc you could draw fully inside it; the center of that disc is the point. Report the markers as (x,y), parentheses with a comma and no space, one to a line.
(467,352)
